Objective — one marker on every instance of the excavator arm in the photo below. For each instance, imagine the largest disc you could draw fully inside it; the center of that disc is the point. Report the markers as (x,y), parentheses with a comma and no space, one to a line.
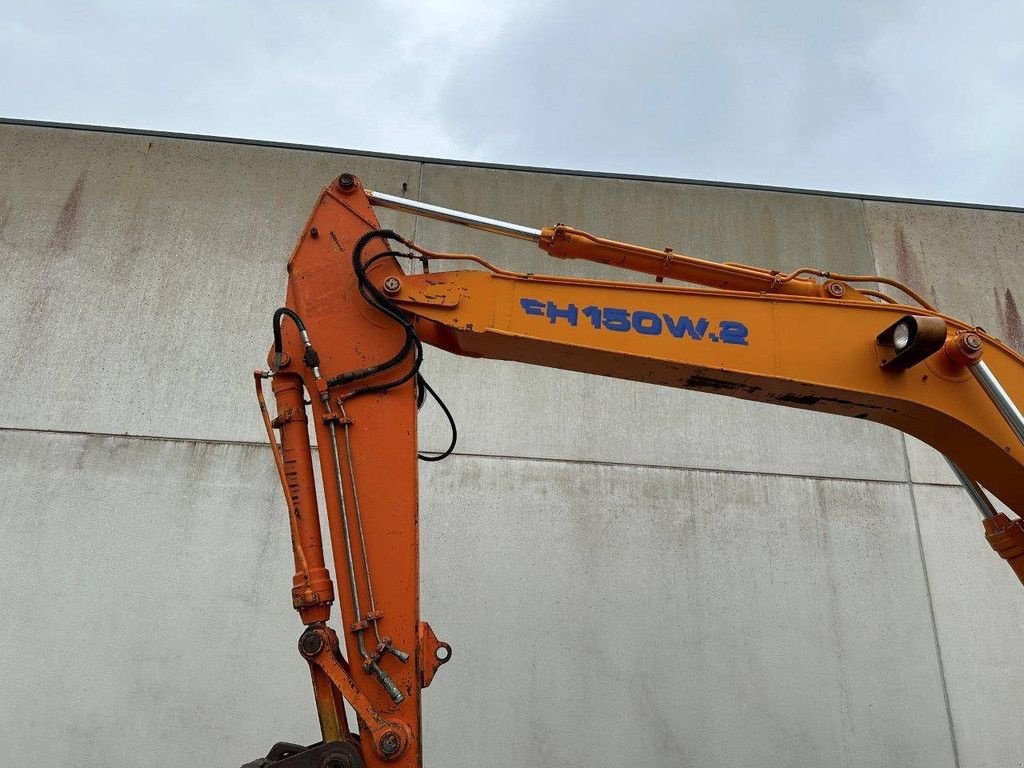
(350,339)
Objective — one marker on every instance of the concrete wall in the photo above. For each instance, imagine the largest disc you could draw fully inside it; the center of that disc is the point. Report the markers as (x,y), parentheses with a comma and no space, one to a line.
(628,575)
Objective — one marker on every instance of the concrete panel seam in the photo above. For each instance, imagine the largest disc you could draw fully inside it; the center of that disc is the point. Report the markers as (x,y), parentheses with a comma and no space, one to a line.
(128,436)
(675,467)
(931,606)
(493,457)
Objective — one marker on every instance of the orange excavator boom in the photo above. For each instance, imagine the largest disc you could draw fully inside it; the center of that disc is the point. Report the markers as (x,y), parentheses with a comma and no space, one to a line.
(350,339)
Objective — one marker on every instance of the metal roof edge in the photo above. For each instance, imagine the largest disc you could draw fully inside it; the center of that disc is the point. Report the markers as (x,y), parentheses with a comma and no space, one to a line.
(500,166)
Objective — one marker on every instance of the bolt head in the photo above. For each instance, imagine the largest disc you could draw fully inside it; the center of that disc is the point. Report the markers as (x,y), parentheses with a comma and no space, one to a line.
(390,743)
(346,181)
(311,644)
(836,289)
(972,341)
(392,285)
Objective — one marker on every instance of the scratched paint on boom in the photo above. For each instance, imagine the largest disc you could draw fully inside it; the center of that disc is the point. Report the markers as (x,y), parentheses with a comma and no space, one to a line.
(638,321)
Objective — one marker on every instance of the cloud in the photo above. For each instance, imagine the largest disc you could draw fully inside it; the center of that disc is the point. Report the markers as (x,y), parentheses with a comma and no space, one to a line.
(904,98)
(350,74)
(916,99)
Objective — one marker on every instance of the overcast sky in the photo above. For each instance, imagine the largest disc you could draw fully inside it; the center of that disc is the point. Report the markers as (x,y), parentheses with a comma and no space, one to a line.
(919,99)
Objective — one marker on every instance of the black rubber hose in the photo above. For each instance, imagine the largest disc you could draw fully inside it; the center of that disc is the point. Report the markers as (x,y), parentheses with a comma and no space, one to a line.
(375,298)
(451,421)
(384,306)
(378,300)
(278,345)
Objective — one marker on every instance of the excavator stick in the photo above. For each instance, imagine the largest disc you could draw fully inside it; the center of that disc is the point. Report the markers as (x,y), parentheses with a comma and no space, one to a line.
(364,423)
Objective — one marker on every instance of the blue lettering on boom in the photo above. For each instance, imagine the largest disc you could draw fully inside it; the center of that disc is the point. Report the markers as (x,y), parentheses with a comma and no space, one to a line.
(638,321)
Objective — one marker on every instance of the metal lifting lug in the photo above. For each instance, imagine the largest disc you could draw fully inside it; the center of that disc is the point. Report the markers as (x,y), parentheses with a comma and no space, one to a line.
(432,654)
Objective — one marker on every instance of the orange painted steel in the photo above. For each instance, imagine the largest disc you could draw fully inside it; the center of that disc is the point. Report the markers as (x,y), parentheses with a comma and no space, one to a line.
(1007,538)
(351,335)
(754,335)
(568,243)
(312,588)
(817,354)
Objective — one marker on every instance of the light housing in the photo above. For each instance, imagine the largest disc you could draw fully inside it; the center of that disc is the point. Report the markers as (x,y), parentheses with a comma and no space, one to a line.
(910,340)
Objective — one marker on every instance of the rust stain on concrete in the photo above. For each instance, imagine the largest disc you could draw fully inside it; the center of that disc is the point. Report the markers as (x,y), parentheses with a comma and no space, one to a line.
(908,267)
(126,254)
(5,213)
(1009,319)
(70,217)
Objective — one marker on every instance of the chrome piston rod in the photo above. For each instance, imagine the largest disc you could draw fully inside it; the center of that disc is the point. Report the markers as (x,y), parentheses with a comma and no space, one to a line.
(975,491)
(999,397)
(452,216)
